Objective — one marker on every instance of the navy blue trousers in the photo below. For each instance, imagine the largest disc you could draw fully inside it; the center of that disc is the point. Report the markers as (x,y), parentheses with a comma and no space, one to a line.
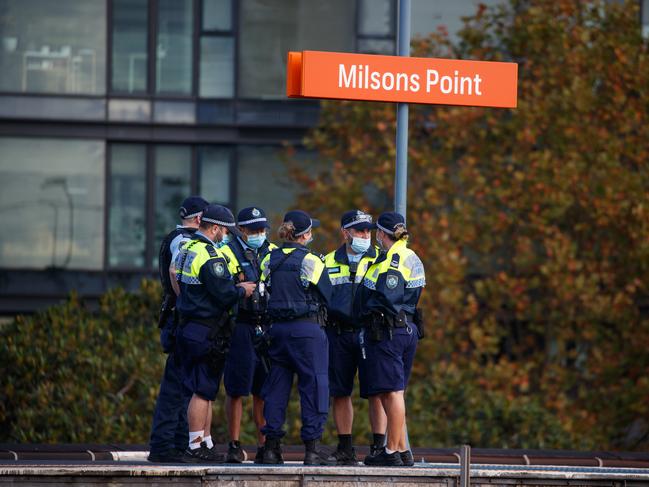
(344,360)
(244,372)
(388,361)
(170,429)
(298,347)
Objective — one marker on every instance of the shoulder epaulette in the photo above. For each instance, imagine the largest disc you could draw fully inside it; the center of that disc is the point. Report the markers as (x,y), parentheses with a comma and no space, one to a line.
(394,263)
(211,251)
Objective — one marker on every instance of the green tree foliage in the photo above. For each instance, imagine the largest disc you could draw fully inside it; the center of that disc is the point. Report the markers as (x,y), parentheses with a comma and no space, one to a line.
(533,225)
(75,375)
(70,375)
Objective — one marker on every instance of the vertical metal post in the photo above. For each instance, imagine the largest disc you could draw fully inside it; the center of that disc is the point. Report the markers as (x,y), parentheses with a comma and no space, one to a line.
(465,466)
(401,171)
(401,166)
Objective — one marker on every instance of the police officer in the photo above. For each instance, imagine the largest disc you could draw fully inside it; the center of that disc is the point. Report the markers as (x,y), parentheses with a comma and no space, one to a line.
(299,291)
(244,372)
(207,295)
(387,305)
(169,429)
(346,267)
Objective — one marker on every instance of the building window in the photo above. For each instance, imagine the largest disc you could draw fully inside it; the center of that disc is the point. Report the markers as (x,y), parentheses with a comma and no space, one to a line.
(217,16)
(263,179)
(127,217)
(174,47)
(216,79)
(52,203)
(172,175)
(53,46)
(214,173)
(129,46)
(268,29)
(376,26)
(217,61)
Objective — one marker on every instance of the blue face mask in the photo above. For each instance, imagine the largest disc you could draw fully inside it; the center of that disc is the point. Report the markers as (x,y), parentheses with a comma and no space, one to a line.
(224,241)
(309,241)
(360,245)
(256,241)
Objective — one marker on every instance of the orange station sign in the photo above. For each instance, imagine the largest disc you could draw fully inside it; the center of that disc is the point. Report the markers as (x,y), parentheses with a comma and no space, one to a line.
(344,76)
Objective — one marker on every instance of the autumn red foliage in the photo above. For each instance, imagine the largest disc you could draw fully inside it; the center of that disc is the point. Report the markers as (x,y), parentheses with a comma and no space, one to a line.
(533,225)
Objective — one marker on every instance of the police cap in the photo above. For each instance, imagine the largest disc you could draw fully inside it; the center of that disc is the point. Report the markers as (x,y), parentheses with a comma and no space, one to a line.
(192,206)
(301,221)
(220,215)
(253,218)
(390,221)
(358,220)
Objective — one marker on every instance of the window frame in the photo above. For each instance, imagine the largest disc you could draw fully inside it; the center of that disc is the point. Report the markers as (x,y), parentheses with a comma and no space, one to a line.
(232,33)
(391,36)
(110,92)
(151,245)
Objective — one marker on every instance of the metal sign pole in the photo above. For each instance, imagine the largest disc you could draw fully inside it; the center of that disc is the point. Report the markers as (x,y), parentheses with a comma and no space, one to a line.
(401,170)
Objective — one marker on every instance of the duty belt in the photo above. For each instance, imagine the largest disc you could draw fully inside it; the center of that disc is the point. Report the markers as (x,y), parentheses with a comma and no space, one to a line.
(209,322)
(377,323)
(399,321)
(250,317)
(311,315)
(341,325)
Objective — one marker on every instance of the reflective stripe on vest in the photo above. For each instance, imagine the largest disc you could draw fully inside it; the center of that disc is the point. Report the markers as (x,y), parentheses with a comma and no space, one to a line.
(197,255)
(401,259)
(339,273)
(238,263)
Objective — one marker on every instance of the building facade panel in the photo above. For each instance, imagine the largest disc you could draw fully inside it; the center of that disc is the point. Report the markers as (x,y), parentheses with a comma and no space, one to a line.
(112,111)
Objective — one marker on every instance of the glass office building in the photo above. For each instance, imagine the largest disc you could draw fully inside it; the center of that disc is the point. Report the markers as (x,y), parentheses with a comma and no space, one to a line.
(112,111)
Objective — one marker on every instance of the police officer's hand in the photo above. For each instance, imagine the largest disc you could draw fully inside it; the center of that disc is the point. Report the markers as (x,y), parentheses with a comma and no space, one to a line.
(248,286)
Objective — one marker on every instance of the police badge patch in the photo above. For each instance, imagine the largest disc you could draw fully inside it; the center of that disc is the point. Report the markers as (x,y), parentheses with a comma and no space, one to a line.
(391,282)
(255,212)
(219,269)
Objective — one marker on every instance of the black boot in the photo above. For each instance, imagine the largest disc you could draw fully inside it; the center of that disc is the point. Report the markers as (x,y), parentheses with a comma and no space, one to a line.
(374,451)
(385,459)
(315,456)
(236,454)
(259,457)
(212,454)
(272,452)
(345,456)
(168,456)
(202,455)
(407,458)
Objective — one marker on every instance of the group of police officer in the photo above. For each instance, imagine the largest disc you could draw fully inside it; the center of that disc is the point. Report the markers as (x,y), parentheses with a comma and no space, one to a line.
(240,308)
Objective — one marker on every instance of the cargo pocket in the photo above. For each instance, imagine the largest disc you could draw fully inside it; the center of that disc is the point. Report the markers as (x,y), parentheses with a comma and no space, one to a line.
(302,333)
(322,383)
(195,340)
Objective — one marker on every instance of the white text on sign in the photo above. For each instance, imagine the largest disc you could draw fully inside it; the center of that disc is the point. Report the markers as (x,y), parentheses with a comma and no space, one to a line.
(360,76)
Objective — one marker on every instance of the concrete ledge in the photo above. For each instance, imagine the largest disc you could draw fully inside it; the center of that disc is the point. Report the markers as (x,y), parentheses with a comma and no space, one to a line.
(295,474)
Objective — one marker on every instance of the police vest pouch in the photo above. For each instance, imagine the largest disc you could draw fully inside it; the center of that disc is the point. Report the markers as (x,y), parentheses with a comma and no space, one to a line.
(376,326)
(400,321)
(220,337)
(166,309)
(378,323)
(418,320)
